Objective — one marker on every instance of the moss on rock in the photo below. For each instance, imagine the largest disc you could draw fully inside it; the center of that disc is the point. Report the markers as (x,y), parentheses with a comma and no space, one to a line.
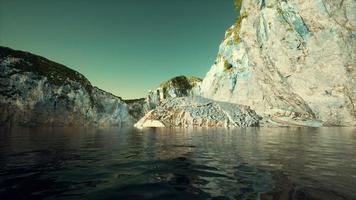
(234,31)
(181,82)
(227,66)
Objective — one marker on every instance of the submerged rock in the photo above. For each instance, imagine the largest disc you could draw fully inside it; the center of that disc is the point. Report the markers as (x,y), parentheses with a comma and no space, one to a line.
(198,112)
(293,62)
(38,92)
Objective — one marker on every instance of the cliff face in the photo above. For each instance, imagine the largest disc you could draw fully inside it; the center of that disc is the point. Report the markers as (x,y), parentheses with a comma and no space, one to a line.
(291,61)
(37,92)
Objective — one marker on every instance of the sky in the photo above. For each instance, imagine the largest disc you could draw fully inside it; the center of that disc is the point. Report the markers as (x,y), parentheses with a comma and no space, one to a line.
(125,47)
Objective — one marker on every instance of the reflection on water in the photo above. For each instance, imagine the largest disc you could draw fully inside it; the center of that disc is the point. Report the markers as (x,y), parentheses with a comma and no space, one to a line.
(252,163)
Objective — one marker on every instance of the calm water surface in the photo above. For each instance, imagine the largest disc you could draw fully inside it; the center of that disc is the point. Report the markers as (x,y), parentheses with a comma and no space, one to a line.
(252,163)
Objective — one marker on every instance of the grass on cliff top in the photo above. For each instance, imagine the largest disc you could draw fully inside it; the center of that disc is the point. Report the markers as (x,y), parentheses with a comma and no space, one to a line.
(181,82)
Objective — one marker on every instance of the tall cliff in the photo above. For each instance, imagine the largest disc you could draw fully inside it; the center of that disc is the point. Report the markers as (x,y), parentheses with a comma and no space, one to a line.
(292,61)
(38,92)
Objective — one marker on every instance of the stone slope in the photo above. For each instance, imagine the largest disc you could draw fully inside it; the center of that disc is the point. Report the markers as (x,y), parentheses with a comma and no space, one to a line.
(198,112)
(38,92)
(290,61)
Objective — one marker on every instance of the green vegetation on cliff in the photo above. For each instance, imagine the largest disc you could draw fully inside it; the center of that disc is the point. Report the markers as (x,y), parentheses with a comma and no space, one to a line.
(238,4)
(235,30)
(180,83)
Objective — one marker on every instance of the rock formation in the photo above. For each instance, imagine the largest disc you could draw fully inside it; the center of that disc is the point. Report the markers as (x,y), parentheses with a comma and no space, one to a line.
(198,112)
(282,63)
(293,62)
(37,92)
(137,107)
(179,86)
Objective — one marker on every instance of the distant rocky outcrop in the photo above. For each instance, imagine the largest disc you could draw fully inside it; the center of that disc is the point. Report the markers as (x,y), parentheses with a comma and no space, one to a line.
(38,92)
(179,86)
(293,62)
(198,112)
(137,107)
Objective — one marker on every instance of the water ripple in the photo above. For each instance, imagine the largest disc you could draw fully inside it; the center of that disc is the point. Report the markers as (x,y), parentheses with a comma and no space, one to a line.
(253,163)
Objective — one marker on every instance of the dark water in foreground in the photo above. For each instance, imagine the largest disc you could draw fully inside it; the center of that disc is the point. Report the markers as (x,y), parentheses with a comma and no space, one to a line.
(264,163)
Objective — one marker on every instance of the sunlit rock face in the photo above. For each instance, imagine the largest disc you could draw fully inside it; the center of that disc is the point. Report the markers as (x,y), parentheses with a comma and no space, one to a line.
(198,112)
(37,92)
(179,86)
(290,61)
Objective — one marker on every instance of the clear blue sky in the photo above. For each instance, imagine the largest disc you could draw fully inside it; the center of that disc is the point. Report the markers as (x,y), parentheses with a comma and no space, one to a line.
(122,46)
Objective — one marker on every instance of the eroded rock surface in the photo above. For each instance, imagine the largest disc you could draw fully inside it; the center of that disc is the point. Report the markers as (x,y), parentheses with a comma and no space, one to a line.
(293,62)
(198,112)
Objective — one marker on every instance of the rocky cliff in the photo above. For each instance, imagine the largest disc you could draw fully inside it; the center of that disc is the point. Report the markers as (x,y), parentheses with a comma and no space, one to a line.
(38,92)
(292,61)
(284,62)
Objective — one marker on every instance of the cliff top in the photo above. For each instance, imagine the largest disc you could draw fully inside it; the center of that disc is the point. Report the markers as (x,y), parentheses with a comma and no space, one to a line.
(56,73)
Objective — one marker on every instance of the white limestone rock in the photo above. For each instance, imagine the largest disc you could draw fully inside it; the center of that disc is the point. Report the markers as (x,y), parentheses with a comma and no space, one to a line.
(198,112)
(291,61)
